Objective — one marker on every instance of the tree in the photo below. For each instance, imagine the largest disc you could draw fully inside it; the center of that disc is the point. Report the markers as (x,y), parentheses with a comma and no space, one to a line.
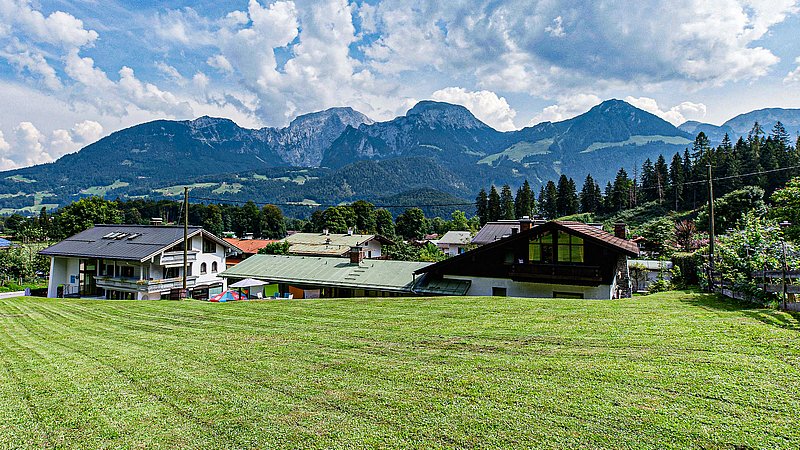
(661,174)
(213,220)
(411,224)
(661,232)
(365,216)
(384,223)
(337,219)
(273,226)
(482,206)
(685,231)
(730,208)
(523,202)
(507,209)
(494,207)
(431,253)
(620,194)
(458,221)
(84,214)
(549,207)
(590,196)
(786,207)
(275,248)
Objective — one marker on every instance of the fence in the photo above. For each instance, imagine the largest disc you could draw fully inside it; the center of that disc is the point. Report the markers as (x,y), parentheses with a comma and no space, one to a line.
(770,281)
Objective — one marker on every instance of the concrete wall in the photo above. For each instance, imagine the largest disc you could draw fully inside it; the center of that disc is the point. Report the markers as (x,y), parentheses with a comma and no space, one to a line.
(61,271)
(372,246)
(483,287)
(196,244)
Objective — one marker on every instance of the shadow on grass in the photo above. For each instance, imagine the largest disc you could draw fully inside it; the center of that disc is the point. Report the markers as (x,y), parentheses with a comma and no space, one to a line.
(782,319)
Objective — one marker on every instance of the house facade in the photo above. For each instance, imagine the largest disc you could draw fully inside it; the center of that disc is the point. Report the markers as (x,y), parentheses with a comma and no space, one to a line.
(137,262)
(454,242)
(555,259)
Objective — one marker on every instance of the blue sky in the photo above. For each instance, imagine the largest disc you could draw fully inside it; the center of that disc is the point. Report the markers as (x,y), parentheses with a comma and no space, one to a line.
(72,71)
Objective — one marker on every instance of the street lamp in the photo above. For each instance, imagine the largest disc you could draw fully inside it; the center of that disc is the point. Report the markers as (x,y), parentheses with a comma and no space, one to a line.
(784,225)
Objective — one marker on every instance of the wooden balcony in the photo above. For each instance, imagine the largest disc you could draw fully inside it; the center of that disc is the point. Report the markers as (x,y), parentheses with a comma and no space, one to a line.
(557,273)
(175,259)
(149,286)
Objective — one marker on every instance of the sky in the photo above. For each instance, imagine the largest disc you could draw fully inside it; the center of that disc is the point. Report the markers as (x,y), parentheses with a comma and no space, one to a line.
(73,71)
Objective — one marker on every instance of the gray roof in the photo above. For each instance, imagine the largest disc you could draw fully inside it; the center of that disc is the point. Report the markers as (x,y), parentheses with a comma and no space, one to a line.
(384,275)
(494,231)
(131,242)
(456,238)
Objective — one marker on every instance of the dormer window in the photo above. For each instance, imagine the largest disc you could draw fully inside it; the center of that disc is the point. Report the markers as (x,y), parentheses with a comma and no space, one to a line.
(570,248)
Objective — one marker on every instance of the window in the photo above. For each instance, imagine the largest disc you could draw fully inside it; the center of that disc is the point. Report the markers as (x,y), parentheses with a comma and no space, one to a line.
(171,272)
(499,291)
(126,271)
(203,268)
(214,267)
(541,249)
(176,248)
(209,246)
(567,294)
(570,248)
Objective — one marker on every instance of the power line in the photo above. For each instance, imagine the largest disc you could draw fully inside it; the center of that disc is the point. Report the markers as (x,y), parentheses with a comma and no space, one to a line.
(327,205)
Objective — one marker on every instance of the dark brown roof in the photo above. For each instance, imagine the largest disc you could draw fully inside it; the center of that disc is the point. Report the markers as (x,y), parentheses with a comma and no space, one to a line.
(588,232)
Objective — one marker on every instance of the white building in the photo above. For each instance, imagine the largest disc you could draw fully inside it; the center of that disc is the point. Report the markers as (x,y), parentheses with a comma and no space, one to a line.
(333,244)
(454,242)
(138,262)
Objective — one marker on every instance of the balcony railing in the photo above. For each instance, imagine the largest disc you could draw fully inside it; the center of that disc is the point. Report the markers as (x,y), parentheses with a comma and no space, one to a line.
(556,272)
(176,258)
(144,285)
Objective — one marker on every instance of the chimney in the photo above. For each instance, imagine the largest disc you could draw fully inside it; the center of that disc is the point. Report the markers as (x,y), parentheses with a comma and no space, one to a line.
(156,221)
(620,230)
(525,224)
(356,255)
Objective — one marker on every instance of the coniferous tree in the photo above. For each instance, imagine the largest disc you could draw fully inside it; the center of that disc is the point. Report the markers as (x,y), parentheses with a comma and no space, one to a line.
(590,196)
(676,180)
(661,172)
(621,191)
(549,205)
(523,202)
(648,181)
(482,207)
(494,207)
(507,210)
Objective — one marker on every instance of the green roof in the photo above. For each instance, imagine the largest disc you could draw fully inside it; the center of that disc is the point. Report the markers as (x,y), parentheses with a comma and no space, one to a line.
(442,286)
(384,275)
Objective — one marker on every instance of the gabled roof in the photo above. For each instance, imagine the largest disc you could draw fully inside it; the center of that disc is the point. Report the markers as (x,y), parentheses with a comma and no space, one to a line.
(587,232)
(456,238)
(250,246)
(126,242)
(385,275)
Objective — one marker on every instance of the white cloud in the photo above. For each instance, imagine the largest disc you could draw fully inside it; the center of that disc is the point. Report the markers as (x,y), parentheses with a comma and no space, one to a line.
(485,105)
(676,115)
(29,146)
(567,108)
(557,29)
(59,28)
(170,71)
(793,76)
(220,62)
(4,146)
(87,131)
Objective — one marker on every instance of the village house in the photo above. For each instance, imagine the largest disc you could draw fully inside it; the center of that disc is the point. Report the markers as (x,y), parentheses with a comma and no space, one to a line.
(454,243)
(328,276)
(248,246)
(137,262)
(338,245)
(556,259)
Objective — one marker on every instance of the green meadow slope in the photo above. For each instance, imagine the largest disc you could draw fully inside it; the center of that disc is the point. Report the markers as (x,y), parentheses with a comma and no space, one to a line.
(672,370)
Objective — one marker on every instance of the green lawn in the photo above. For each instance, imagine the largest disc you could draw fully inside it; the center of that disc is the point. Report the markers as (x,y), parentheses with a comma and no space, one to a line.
(673,370)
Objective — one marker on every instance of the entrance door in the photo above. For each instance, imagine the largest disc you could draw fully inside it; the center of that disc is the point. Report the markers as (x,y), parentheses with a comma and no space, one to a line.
(86,274)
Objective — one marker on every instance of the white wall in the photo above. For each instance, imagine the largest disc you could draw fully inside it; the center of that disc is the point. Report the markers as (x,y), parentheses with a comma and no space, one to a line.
(372,246)
(209,277)
(483,287)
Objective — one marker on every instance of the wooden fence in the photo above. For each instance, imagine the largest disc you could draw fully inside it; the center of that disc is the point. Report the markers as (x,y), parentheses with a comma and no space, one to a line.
(770,281)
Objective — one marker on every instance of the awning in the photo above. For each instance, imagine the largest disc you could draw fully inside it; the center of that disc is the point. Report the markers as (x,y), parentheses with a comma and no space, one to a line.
(248,282)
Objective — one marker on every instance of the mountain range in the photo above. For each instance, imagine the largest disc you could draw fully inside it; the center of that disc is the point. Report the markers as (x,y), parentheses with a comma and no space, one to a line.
(438,151)
(742,124)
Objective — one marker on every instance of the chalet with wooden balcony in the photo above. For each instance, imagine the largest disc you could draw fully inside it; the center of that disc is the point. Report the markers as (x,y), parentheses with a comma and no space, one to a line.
(554,259)
(137,262)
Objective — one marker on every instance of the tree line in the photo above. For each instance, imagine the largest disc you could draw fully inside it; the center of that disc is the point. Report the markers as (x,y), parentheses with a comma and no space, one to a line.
(764,160)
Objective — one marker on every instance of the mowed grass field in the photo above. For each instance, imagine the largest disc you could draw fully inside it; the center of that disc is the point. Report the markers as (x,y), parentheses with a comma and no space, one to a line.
(673,370)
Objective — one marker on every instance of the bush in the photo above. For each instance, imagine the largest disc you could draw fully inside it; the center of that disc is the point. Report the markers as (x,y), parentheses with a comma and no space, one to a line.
(659,285)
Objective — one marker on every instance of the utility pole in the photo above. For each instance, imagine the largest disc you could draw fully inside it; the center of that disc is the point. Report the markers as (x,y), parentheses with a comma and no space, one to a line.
(711,228)
(185,238)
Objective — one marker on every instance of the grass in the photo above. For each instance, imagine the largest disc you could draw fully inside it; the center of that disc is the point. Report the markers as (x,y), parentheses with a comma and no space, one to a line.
(172,191)
(673,370)
(103,190)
